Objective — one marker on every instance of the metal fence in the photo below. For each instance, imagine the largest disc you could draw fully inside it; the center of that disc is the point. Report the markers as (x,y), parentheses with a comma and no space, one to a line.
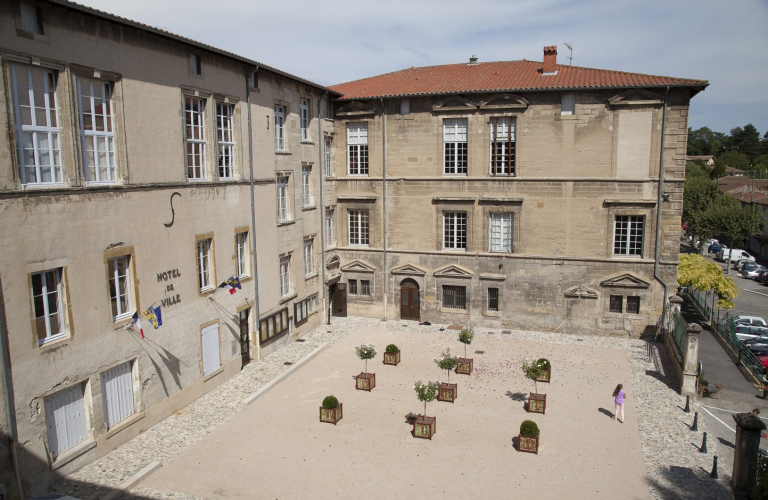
(680,334)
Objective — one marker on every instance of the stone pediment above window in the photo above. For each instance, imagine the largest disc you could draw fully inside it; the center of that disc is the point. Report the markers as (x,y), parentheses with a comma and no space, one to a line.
(356,108)
(636,97)
(453,271)
(504,101)
(409,269)
(454,103)
(358,266)
(581,292)
(627,280)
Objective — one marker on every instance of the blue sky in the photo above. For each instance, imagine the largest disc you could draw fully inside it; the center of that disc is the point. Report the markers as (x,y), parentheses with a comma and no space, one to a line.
(339,40)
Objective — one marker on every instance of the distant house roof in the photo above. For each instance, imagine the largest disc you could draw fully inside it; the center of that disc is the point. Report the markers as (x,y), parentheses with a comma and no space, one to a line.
(704,158)
(503,76)
(734,172)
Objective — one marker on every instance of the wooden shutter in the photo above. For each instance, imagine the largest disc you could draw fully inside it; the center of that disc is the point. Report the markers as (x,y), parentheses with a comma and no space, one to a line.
(211,359)
(117,393)
(65,419)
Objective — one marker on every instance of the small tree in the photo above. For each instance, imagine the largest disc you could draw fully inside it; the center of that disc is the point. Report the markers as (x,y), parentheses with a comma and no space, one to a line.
(698,273)
(366,352)
(447,362)
(465,337)
(533,371)
(425,392)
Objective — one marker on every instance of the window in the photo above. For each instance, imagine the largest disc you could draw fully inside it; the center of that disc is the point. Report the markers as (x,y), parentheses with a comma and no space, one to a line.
(273,326)
(204,264)
(358,227)
(280,128)
(357,148)
(329,241)
(628,235)
(616,302)
(282,198)
(196,64)
(493,299)
(352,285)
(328,152)
(285,276)
(306,185)
(405,106)
(31,19)
(36,125)
(454,230)
(302,310)
(304,118)
(210,345)
(365,287)
(65,419)
(241,248)
(194,118)
(47,298)
(328,111)
(309,258)
(117,393)
(98,136)
(225,138)
(255,80)
(501,226)
(568,104)
(454,297)
(633,305)
(120,287)
(502,146)
(455,146)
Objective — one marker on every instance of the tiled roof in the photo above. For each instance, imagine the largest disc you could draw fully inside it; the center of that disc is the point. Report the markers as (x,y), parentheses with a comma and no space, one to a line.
(515,76)
(167,34)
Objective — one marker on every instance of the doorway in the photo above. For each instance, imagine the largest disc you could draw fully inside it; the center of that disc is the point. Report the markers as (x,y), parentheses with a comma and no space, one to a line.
(410,303)
(338,292)
(245,338)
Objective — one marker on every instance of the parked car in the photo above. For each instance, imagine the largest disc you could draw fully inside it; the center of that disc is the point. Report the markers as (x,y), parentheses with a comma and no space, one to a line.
(763,360)
(759,350)
(745,332)
(753,273)
(734,254)
(749,320)
(715,247)
(761,340)
(745,265)
(763,278)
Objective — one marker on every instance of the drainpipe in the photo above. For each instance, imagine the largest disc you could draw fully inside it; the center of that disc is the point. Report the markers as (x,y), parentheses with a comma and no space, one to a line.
(253,210)
(384,198)
(658,210)
(321,168)
(5,363)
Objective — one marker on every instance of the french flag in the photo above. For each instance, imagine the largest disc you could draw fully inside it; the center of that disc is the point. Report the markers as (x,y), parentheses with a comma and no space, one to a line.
(137,322)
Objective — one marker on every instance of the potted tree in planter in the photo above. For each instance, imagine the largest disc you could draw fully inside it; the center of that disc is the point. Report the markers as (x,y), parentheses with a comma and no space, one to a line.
(365,381)
(528,439)
(546,370)
(537,403)
(331,411)
(391,355)
(424,426)
(447,391)
(464,365)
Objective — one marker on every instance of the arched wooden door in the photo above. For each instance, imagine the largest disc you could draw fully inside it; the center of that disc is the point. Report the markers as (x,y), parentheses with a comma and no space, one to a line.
(410,303)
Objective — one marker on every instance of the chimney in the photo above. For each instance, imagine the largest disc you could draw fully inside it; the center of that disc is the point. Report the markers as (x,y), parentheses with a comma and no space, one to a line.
(472,61)
(550,60)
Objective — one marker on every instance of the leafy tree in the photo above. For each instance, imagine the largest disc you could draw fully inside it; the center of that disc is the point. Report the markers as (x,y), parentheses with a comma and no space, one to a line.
(700,192)
(696,169)
(744,140)
(698,273)
(734,159)
(533,371)
(366,352)
(426,393)
(704,141)
(465,337)
(726,215)
(447,362)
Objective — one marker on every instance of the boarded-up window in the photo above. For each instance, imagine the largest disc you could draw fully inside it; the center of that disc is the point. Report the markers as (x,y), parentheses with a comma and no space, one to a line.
(634,145)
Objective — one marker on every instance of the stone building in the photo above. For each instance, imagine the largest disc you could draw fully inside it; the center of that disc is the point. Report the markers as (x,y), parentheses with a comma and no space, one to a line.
(141,169)
(510,194)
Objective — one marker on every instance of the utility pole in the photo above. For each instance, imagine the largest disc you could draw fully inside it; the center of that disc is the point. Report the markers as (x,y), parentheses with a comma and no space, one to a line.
(570,53)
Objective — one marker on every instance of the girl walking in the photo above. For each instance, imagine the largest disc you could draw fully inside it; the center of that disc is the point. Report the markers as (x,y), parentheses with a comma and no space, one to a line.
(618,397)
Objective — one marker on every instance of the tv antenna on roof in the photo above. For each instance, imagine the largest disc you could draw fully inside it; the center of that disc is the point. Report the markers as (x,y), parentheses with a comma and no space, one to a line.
(570,55)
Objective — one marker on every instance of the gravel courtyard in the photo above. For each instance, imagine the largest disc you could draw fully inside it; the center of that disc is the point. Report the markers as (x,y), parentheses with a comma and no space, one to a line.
(275,448)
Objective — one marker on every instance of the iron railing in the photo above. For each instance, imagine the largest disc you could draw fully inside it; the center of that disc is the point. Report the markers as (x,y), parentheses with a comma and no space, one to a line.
(680,334)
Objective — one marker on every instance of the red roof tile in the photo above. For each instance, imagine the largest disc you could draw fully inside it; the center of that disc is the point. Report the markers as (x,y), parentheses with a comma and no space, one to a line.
(497,77)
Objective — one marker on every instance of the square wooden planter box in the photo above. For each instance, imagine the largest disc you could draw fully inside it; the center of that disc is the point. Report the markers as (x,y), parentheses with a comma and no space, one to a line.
(537,403)
(424,427)
(545,376)
(391,359)
(528,444)
(331,415)
(447,392)
(365,381)
(464,367)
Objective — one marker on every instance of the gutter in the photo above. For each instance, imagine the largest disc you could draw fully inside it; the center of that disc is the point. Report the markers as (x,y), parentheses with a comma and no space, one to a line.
(658,211)
(321,168)
(254,261)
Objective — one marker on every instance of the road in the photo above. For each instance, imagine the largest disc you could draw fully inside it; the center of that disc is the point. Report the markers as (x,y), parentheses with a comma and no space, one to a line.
(738,394)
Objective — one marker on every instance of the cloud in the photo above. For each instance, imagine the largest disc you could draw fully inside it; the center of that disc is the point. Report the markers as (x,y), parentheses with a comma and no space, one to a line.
(339,40)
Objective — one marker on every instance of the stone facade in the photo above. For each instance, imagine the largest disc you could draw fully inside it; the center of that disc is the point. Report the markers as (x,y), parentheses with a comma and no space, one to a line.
(574,174)
(152,211)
